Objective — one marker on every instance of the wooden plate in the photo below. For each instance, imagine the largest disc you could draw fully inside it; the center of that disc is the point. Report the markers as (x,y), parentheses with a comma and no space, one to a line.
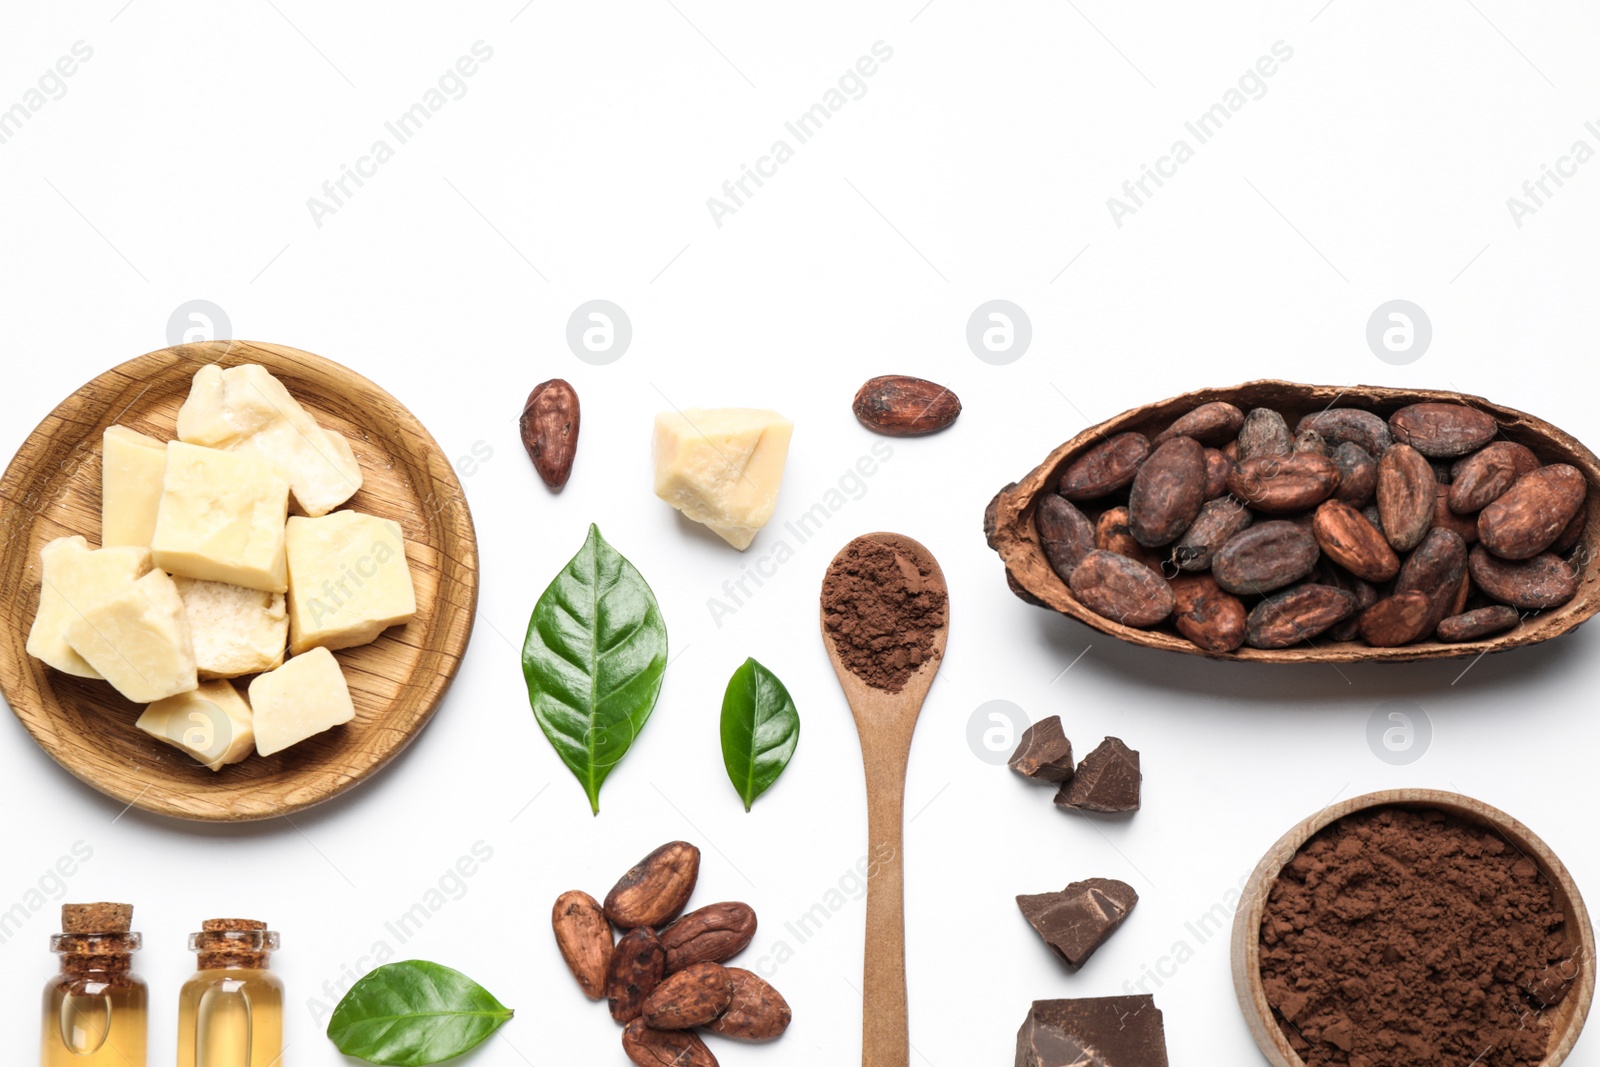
(1566,1020)
(1008,522)
(52,489)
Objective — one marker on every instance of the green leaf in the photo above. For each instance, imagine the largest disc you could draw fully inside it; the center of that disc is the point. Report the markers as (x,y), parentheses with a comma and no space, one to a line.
(594,657)
(414,1013)
(760,729)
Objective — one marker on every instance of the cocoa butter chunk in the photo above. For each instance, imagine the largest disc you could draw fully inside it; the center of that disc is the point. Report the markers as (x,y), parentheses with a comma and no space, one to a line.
(1080,918)
(1044,752)
(1093,1032)
(1107,781)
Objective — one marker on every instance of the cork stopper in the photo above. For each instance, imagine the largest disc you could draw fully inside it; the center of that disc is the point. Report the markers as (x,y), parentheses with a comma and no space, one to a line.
(100,918)
(233,944)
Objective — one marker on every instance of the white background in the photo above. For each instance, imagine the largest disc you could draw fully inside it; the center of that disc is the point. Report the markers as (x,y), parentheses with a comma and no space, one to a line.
(977,165)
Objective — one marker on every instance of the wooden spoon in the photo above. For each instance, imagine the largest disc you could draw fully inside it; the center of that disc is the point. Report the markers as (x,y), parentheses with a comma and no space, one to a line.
(885,720)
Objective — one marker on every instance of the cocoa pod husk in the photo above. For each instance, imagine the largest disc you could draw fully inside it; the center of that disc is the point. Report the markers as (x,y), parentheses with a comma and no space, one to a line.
(1105,468)
(1476,481)
(1527,518)
(583,936)
(1205,613)
(1442,430)
(758,1011)
(549,427)
(638,964)
(1118,588)
(1264,558)
(1167,492)
(1297,615)
(711,934)
(1478,623)
(898,405)
(692,997)
(1065,533)
(1211,424)
(1407,493)
(656,888)
(665,1048)
(1537,584)
(1348,539)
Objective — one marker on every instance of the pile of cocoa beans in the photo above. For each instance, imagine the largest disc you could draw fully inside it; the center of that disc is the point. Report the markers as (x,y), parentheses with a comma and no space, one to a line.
(1241,531)
(664,977)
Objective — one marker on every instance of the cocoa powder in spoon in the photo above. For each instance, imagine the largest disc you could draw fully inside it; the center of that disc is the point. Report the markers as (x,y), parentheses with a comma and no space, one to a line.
(882,613)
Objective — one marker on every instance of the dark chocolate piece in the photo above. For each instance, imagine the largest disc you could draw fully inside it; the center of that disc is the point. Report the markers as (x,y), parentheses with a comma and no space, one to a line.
(1093,1032)
(1079,919)
(1107,780)
(1044,753)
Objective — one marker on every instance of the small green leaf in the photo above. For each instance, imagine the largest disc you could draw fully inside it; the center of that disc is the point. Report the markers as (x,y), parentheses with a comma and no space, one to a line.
(760,729)
(594,658)
(414,1013)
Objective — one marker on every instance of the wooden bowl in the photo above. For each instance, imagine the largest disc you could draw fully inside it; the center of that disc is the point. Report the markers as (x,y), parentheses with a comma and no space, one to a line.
(1566,1019)
(1008,522)
(52,489)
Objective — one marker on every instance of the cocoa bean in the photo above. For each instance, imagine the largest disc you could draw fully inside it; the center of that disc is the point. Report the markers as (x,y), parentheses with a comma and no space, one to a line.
(1213,424)
(665,1048)
(1297,615)
(638,964)
(1111,533)
(1365,592)
(899,405)
(655,890)
(1217,467)
(1529,516)
(1065,534)
(1231,450)
(1436,569)
(1574,530)
(584,937)
(1476,481)
(1105,468)
(1444,518)
(1206,614)
(1358,474)
(1441,430)
(693,997)
(1345,535)
(1407,492)
(1545,581)
(1265,557)
(1396,620)
(1264,433)
(549,426)
(1280,485)
(711,934)
(1480,623)
(1339,426)
(1120,589)
(1218,520)
(1167,492)
(758,1011)
(1309,441)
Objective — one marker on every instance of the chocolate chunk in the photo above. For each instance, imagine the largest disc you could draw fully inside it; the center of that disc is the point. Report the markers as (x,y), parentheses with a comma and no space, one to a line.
(1044,754)
(1093,1032)
(1079,919)
(1107,780)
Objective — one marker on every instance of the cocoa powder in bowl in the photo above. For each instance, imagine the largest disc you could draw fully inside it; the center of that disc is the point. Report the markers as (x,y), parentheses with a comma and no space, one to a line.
(882,612)
(1402,938)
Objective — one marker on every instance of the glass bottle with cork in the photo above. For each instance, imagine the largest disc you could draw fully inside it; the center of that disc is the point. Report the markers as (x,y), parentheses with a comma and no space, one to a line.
(96,1011)
(230,1014)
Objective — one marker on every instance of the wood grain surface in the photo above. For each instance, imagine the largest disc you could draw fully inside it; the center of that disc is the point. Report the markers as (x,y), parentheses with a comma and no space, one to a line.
(52,489)
(886,722)
(1566,1020)
(1009,525)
